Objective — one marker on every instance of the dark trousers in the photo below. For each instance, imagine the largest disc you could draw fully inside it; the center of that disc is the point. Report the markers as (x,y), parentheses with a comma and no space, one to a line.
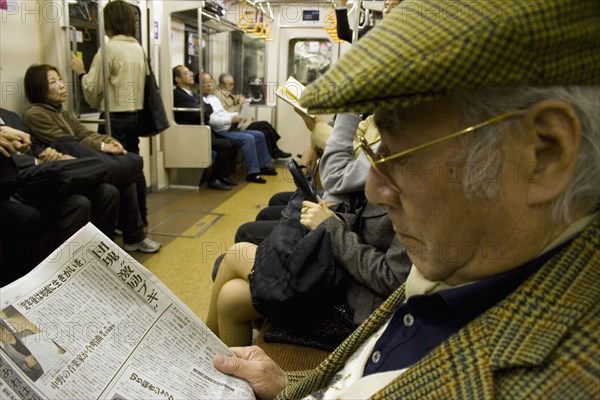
(256,231)
(23,226)
(20,235)
(271,134)
(226,155)
(105,208)
(65,216)
(130,219)
(124,128)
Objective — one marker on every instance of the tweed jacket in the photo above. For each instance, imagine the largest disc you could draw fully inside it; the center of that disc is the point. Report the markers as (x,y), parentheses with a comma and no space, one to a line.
(539,342)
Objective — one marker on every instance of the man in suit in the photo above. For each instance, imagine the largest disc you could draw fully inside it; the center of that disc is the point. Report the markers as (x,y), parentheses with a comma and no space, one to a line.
(226,149)
(489,167)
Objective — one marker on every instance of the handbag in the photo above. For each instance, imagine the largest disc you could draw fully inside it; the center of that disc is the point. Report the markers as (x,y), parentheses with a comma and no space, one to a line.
(153,117)
(59,179)
(295,275)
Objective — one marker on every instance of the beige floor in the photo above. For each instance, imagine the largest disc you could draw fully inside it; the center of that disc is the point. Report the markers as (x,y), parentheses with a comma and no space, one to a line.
(195,226)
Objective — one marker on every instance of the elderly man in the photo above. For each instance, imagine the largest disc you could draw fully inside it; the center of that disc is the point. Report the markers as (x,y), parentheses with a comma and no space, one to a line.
(226,149)
(489,165)
(234,102)
(253,143)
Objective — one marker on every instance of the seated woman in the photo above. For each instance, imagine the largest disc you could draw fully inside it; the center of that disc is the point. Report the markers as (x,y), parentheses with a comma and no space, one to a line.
(48,122)
(373,258)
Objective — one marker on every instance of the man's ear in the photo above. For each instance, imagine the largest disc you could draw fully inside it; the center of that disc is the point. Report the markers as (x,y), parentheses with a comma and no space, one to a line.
(554,134)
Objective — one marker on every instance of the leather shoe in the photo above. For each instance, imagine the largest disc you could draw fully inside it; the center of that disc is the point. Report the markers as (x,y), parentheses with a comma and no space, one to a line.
(229,181)
(268,171)
(256,178)
(278,153)
(218,185)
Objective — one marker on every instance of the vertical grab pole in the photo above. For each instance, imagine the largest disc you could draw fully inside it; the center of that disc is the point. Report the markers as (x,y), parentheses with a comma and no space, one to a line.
(71,46)
(105,74)
(357,7)
(200,61)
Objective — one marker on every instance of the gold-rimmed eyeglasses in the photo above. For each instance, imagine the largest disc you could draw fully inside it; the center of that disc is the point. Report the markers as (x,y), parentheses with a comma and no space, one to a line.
(378,158)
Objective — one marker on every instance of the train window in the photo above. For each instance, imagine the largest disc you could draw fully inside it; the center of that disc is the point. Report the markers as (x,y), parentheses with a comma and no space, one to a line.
(308,59)
(193,47)
(247,65)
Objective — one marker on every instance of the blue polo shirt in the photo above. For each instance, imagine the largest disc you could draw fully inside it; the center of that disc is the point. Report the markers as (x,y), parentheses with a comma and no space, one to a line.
(423,322)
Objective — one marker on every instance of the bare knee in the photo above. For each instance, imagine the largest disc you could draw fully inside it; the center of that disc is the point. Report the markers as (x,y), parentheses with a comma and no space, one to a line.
(235,302)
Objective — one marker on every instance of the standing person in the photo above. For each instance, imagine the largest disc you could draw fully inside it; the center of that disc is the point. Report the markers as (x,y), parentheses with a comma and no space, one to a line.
(489,167)
(126,77)
(253,143)
(183,80)
(234,102)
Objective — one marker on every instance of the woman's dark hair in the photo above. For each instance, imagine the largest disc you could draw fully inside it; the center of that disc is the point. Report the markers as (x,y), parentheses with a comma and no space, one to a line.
(119,19)
(36,82)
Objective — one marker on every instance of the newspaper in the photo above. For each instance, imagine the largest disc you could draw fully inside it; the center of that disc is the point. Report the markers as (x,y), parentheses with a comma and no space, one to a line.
(245,116)
(90,322)
(290,92)
(245,112)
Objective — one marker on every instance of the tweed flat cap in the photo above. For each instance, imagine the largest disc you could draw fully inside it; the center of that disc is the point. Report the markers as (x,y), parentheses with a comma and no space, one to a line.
(426,48)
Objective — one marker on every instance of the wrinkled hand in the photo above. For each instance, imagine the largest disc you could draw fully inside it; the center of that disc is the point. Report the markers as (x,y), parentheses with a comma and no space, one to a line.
(50,154)
(76,65)
(254,366)
(114,147)
(13,140)
(312,214)
(309,159)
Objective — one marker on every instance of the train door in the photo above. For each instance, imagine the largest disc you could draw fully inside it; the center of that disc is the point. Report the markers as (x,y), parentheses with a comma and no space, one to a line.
(306,53)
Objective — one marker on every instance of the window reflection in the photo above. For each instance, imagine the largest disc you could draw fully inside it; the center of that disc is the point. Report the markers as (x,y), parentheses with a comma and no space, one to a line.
(308,59)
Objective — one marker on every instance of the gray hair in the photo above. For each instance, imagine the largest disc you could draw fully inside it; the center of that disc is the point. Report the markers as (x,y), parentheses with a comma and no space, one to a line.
(583,192)
(484,154)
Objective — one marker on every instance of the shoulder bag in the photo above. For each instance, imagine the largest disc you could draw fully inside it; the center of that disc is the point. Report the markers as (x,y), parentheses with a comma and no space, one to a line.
(152,118)
(59,179)
(121,169)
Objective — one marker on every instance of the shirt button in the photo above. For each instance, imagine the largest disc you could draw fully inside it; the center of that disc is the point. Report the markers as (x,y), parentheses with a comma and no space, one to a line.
(375,357)
(408,320)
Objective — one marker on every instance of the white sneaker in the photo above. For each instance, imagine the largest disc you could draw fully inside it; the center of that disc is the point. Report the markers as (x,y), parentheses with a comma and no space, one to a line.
(145,246)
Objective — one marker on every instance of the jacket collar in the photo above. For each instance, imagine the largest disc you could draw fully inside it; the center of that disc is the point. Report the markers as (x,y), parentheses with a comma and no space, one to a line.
(523,330)
(57,108)
(540,312)
(520,331)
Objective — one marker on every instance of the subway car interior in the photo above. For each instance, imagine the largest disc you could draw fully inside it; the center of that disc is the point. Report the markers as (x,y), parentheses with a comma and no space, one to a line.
(260,43)
(426,227)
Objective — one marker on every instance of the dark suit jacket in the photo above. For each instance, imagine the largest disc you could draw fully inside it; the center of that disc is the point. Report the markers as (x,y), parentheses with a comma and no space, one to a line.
(182,99)
(9,166)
